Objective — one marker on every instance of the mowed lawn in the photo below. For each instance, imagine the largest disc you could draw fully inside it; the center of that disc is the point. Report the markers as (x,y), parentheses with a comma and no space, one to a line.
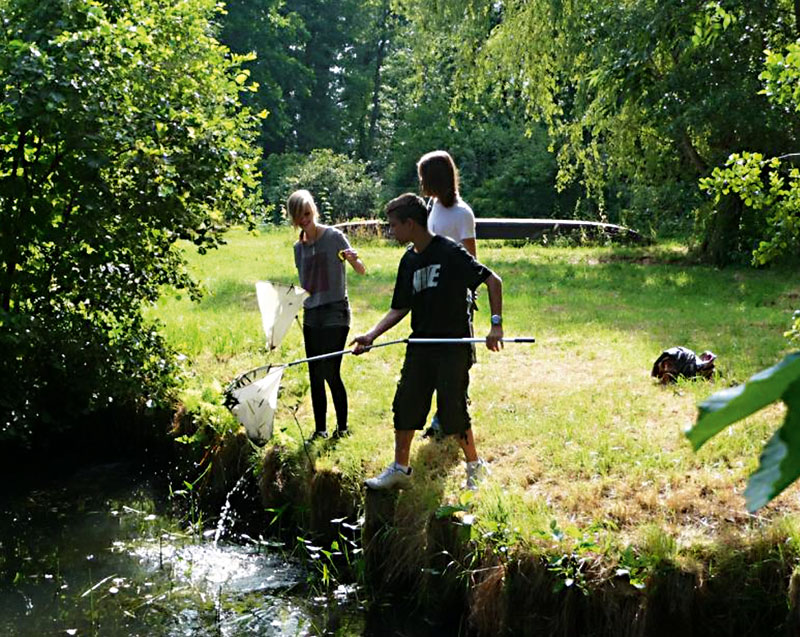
(575,429)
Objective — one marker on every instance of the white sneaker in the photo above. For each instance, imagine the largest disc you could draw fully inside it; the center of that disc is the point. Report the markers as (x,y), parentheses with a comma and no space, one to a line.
(391,478)
(477,472)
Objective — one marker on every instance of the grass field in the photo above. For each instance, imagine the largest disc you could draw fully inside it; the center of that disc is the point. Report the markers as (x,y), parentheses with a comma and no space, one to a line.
(584,446)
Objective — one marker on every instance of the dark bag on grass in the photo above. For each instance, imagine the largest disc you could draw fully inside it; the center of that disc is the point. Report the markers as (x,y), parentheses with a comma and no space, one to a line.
(680,361)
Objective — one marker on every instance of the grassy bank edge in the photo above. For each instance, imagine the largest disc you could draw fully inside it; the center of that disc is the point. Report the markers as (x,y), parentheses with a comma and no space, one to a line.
(573,557)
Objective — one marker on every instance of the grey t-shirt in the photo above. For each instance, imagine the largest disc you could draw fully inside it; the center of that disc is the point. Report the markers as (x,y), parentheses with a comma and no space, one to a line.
(322,275)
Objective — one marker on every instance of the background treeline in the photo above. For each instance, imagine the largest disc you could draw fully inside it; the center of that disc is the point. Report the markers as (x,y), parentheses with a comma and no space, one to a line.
(130,125)
(358,91)
(593,109)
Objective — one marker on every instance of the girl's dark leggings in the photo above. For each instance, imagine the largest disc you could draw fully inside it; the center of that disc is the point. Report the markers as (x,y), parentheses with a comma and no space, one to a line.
(321,340)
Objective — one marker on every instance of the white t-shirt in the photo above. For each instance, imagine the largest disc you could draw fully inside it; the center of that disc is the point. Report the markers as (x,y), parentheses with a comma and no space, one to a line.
(456,222)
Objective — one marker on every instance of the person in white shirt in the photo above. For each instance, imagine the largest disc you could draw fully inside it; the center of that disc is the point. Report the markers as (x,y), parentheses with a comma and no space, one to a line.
(449,216)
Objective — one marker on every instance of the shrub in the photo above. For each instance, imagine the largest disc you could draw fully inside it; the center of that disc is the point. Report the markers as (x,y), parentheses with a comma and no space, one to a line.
(122,132)
(342,187)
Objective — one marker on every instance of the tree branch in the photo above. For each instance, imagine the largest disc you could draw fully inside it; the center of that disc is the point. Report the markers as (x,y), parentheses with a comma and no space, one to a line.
(690,153)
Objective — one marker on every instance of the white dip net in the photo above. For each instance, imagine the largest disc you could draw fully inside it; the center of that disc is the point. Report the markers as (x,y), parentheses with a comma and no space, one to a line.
(279,304)
(256,404)
(253,396)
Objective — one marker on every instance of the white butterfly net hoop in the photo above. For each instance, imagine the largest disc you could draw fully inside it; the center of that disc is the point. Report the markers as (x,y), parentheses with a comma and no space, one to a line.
(253,396)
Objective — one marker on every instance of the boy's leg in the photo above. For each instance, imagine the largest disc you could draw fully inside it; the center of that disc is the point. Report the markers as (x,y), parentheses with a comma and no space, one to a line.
(398,474)
(451,393)
(467,443)
(412,401)
(452,386)
(402,446)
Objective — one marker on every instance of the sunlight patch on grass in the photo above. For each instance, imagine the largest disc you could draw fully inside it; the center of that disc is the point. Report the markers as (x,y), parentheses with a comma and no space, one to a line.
(574,427)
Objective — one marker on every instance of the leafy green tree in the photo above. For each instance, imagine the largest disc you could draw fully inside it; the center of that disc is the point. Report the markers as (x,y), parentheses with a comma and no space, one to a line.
(342,187)
(373,42)
(121,133)
(276,35)
(640,98)
(504,160)
(764,189)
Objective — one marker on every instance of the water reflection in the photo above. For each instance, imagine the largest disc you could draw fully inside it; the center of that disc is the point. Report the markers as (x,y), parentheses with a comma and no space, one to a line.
(98,555)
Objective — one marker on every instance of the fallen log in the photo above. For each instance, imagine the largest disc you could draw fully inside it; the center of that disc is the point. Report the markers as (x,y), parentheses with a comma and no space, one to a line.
(496,228)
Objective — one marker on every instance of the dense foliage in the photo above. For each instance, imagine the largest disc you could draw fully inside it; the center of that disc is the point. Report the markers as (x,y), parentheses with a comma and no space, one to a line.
(770,192)
(368,80)
(342,187)
(121,133)
(641,98)
(601,110)
(766,190)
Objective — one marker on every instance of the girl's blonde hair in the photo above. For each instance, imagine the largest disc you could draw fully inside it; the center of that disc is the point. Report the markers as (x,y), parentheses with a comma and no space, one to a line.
(298,202)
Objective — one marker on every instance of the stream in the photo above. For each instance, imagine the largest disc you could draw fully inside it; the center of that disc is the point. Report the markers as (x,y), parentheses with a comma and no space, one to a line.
(98,554)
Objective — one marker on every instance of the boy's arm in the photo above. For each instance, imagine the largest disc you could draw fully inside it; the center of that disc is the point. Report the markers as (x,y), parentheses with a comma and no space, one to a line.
(495,285)
(390,319)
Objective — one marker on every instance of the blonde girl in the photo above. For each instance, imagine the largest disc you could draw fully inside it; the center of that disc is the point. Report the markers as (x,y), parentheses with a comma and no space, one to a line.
(320,254)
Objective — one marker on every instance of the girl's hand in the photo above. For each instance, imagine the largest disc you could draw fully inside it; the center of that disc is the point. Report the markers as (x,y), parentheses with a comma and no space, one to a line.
(351,256)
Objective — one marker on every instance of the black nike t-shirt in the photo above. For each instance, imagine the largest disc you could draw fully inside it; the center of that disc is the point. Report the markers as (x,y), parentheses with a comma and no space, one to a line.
(434,284)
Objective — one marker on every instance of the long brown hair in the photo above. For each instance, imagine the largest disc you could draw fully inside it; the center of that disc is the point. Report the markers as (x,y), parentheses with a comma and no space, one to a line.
(438,176)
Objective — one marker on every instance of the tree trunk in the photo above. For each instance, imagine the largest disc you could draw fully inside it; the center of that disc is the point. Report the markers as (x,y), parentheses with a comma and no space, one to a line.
(690,153)
(797,17)
(383,43)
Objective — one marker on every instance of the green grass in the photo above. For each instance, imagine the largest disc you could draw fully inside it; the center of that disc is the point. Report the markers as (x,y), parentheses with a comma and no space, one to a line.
(575,429)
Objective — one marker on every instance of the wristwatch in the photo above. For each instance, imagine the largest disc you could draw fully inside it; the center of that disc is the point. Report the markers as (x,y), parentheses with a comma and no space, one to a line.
(497,319)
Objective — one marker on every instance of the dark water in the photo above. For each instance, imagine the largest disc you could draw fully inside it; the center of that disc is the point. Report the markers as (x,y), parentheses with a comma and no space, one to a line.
(99,554)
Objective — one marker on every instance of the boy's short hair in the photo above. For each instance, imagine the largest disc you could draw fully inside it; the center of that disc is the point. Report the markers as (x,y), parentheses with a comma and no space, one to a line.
(408,206)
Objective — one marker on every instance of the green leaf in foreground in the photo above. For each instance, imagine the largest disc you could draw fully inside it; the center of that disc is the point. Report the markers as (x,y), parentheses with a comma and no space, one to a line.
(779,465)
(731,405)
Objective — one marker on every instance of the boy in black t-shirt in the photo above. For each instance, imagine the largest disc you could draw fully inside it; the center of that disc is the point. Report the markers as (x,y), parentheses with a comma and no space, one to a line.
(432,279)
